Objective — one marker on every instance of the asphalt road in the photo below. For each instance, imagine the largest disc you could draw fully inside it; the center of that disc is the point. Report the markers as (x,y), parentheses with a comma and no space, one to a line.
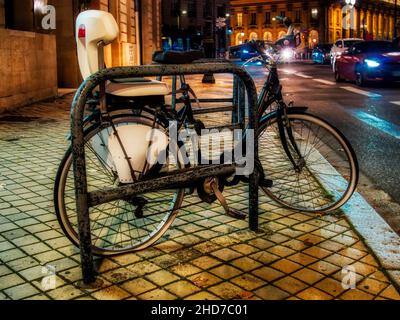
(369,117)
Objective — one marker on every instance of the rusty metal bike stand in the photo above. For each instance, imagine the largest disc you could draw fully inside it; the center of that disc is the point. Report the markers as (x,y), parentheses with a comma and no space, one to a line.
(243,83)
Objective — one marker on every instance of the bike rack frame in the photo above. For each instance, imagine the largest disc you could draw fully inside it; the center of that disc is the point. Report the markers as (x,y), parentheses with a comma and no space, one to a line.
(243,83)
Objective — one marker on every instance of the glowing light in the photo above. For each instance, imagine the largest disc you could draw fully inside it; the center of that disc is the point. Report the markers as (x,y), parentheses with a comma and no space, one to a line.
(287,54)
(372,63)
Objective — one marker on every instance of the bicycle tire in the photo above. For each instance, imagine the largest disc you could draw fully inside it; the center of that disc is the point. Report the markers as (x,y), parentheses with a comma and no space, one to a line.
(337,184)
(67,220)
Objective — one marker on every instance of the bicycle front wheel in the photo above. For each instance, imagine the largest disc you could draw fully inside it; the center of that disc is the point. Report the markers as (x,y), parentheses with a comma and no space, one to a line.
(120,226)
(324,173)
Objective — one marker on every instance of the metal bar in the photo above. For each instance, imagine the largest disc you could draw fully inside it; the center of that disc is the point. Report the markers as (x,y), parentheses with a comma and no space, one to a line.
(211,100)
(174,179)
(229,126)
(241,102)
(235,100)
(212,110)
(173,101)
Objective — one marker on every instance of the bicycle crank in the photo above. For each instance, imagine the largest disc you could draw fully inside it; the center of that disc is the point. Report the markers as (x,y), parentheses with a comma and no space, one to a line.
(213,184)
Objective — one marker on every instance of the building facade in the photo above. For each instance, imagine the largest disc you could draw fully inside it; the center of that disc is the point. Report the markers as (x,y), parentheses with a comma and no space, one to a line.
(191,23)
(38,61)
(318,21)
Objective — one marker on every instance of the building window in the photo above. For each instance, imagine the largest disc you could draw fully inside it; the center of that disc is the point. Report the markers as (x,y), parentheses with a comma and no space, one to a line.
(297,16)
(253,19)
(314,13)
(192,9)
(25,15)
(268,18)
(240,19)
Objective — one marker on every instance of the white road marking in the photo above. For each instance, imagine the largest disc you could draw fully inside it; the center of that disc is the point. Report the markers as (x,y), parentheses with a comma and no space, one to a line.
(362,92)
(331,83)
(397,103)
(303,75)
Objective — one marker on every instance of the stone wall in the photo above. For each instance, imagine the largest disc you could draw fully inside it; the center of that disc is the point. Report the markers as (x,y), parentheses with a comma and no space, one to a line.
(28,68)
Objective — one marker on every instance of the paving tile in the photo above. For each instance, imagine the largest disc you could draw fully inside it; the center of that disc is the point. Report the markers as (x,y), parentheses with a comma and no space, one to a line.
(162,277)
(228,291)
(268,274)
(302,259)
(271,293)
(391,293)
(22,264)
(157,294)
(286,266)
(225,271)
(244,249)
(363,268)
(67,292)
(226,254)
(111,293)
(22,291)
(330,286)
(142,268)
(308,276)
(248,282)
(126,259)
(10,280)
(246,264)
(372,286)
(264,257)
(324,267)
(290,284)
(206,262)
(204,280)
(4,270)
(203,295)
(185,269)
(182,288)
(281,251)
(355,294)
(119,275)
(138,286)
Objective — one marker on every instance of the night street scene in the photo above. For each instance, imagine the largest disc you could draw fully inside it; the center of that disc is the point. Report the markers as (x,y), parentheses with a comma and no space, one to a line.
(226,152)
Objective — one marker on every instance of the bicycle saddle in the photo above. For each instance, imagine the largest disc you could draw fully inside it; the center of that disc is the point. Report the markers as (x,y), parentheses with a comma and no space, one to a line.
(177,57)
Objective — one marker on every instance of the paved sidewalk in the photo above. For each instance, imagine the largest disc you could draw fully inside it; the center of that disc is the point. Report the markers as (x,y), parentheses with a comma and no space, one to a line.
(204,255)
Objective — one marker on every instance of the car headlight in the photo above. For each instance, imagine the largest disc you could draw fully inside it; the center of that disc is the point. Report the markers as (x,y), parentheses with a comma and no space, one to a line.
(287,54)
(245,51)
(372,63)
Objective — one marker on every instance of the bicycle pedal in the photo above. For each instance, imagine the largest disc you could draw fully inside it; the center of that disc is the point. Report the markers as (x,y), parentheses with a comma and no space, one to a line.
(266,183)
(236,214)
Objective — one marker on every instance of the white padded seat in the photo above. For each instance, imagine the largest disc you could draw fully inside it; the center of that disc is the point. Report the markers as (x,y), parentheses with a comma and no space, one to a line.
(138,89)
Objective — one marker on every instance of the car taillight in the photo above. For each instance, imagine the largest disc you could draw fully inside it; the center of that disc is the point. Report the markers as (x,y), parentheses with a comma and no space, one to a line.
(82,31)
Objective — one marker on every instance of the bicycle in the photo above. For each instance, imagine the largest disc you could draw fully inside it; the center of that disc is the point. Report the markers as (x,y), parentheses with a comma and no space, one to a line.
(304,164)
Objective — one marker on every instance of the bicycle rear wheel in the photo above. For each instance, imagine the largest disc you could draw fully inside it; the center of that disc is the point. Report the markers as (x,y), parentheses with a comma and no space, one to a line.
(123,225)
(327,170)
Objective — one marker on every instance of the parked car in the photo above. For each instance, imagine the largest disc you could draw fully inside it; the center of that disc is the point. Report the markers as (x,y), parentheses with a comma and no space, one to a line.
(369,61)
(341,46)
(248,50)
(322,53)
